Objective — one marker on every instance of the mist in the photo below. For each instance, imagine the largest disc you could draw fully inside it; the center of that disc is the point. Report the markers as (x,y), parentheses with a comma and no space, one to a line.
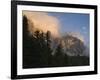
(43,22)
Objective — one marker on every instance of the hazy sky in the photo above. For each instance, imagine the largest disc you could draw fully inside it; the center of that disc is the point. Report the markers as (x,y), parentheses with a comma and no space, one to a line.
(73,22)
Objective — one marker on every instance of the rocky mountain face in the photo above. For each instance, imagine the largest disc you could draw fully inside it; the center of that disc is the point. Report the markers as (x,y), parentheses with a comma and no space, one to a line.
(71,45)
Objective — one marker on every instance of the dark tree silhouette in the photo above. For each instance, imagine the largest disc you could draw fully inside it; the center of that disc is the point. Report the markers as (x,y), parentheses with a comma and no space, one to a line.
(48,38)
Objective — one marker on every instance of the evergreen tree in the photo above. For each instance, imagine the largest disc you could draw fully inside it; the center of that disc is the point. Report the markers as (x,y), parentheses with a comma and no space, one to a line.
(43,45)
(48,38)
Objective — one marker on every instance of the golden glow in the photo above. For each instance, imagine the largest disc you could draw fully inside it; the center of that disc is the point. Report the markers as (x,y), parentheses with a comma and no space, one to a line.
(42,21)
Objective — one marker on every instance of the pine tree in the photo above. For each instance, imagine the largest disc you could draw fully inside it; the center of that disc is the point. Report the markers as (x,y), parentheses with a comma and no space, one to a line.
(49,56)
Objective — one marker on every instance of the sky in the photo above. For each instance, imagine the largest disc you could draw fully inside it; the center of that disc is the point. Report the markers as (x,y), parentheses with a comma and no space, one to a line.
(73,22)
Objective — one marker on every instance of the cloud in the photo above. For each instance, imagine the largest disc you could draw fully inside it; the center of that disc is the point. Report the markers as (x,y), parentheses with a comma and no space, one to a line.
(42,21)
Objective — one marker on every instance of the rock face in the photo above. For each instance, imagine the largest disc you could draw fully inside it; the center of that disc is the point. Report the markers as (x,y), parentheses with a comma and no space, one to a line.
(71,45)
